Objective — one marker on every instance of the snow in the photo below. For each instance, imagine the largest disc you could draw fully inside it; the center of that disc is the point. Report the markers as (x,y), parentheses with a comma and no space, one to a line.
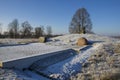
(71,65)
(65,68)
(69,40)
(22,51)
(13,74)
(8,41)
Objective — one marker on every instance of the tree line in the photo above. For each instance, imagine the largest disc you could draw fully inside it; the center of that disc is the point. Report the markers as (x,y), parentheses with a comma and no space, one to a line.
(80,23)
(25,30)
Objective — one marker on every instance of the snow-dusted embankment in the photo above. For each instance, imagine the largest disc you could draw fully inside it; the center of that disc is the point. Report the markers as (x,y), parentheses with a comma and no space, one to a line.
(68,67)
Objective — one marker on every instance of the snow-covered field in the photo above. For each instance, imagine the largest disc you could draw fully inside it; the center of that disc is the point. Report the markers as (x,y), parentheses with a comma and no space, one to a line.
(16,41)
(20,51)
(73,65)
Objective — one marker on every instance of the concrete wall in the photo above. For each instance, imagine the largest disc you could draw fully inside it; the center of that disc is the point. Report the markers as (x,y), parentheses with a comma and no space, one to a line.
(28,61)
(45,62)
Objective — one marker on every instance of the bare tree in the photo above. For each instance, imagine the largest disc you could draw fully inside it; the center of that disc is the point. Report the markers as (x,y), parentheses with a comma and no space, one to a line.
(13,28)
(39,31)
(26,29)
(49,30)
(81,22)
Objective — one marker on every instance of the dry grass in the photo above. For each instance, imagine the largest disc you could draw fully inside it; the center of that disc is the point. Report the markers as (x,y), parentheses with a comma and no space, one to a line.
(102,65)
(116,48)
(113,74)
(19,41)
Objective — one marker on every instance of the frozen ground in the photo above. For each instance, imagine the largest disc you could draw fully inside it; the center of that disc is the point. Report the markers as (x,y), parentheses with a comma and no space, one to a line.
(10,74)
(14,74)
(103,65)
(16,41)
(70,66)
(71,39)
(8,53)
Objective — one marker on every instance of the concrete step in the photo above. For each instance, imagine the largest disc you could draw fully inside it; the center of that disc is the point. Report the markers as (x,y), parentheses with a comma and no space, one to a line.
(59,56)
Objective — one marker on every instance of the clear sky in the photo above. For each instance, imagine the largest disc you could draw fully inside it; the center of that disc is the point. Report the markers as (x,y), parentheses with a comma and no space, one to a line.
(105,14)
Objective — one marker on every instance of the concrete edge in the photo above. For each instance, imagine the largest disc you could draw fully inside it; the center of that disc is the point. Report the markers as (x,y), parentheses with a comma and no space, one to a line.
(24,63)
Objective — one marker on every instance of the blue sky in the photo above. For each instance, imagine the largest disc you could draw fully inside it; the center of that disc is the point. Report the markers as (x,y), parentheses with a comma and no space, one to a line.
(105,14)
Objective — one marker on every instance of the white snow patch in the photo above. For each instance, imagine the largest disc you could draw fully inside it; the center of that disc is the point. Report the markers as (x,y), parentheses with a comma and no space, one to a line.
(22,51)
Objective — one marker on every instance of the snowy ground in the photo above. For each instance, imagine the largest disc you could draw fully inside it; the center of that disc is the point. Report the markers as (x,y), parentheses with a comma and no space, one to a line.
(13,74)
(71,66)
(16,41)
(20,51)
(103,65)
(71,39)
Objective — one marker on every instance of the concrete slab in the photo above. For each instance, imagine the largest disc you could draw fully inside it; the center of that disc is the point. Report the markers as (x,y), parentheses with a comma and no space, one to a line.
(22,56)
(52,59)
